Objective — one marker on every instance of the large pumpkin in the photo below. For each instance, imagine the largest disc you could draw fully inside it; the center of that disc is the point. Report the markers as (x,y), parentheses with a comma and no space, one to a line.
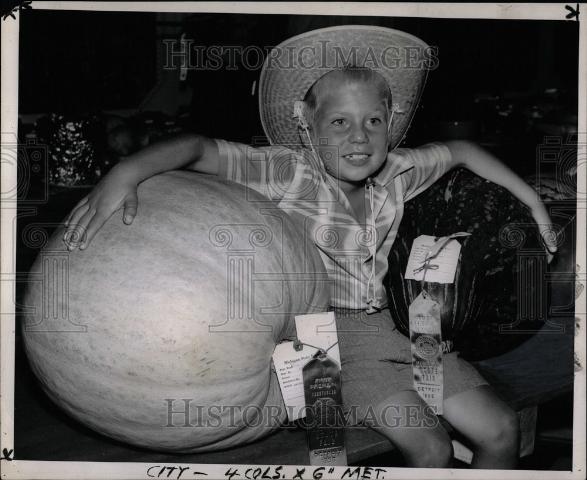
(182,309)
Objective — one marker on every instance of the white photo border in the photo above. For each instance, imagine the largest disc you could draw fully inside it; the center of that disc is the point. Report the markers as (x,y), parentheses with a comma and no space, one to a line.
(21,469)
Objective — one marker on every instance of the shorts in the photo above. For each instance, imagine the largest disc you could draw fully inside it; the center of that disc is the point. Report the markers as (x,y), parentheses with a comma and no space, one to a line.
(376,362)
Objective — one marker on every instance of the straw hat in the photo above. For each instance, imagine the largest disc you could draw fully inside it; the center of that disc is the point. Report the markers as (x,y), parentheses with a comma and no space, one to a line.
(293,66)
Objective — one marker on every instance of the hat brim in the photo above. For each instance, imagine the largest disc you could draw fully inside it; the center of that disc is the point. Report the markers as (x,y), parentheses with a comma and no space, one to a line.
(293,66)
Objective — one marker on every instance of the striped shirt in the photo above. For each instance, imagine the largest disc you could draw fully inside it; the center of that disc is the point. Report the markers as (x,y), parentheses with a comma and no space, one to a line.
(293,179)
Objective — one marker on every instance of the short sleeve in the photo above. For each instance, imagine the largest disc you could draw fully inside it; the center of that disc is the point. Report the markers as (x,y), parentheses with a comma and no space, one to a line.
(268,170)
(430,162)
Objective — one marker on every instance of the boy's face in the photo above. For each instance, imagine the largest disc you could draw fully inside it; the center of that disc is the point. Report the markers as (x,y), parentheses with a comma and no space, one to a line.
(351,118)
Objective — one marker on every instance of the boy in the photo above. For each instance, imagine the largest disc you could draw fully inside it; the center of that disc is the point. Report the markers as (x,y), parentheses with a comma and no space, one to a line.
(349,184)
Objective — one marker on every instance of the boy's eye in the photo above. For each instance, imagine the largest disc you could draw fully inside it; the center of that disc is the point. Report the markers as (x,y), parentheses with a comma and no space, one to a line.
(375,121)
(338,122)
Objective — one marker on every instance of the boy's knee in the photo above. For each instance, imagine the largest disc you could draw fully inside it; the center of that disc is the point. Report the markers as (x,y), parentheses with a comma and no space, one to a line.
(503,433)
(435,453)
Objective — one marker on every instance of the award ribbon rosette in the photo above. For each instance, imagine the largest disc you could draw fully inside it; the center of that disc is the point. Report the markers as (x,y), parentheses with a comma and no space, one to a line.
(433,260)
(308,371)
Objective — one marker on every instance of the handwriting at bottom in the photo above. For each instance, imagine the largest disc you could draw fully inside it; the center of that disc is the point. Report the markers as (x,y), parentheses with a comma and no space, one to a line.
(363,473)
(301,473)
(255,473)
(173,472)
(177,472)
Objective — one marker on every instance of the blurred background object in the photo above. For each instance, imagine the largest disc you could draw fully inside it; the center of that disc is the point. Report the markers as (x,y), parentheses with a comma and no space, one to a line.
(505,85)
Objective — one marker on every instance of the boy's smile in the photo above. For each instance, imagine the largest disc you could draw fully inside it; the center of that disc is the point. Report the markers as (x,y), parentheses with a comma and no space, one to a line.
(350,129)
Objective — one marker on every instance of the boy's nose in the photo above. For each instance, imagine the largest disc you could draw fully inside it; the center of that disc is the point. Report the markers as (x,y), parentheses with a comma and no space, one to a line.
(359,135)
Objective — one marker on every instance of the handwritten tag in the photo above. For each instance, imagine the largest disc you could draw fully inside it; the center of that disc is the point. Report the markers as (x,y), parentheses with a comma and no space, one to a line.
(319,330)
(426,340)
(289,365)
(442,256)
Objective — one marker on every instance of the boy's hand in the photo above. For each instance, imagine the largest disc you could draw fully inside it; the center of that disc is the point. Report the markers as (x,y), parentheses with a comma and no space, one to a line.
(117,190)
(546,228)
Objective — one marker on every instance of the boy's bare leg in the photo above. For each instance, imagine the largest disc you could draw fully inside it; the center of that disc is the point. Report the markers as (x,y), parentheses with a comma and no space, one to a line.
(419,436)
(489,423)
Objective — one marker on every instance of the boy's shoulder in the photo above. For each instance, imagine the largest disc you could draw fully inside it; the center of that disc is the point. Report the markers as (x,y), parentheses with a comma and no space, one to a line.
(429,148)
(404,160)
(429,152)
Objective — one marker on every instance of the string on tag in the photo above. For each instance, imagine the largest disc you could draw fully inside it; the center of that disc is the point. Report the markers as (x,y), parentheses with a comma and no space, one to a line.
(425,267)
(299,345)
(442,242)
(433,252)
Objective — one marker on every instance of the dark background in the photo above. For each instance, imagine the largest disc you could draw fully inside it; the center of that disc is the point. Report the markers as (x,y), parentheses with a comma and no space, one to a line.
(505,83)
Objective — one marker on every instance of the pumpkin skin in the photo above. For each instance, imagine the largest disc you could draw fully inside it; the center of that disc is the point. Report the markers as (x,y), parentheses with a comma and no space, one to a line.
(148,316)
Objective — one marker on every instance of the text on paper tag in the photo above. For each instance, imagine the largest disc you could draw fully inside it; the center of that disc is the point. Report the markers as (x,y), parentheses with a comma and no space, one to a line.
(289,365)
(441,268)
(315,331)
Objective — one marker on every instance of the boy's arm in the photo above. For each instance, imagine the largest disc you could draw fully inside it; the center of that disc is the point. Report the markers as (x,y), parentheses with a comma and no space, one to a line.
(190,151)
(468,155)
(118,189)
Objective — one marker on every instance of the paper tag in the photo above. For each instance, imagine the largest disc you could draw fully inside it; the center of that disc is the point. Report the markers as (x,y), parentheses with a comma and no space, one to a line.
(319,329)
(443,254)
(289,365)
(315,329)
(426,339)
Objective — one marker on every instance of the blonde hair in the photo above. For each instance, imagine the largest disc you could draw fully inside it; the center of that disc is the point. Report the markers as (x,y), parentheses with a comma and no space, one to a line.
(350,74)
